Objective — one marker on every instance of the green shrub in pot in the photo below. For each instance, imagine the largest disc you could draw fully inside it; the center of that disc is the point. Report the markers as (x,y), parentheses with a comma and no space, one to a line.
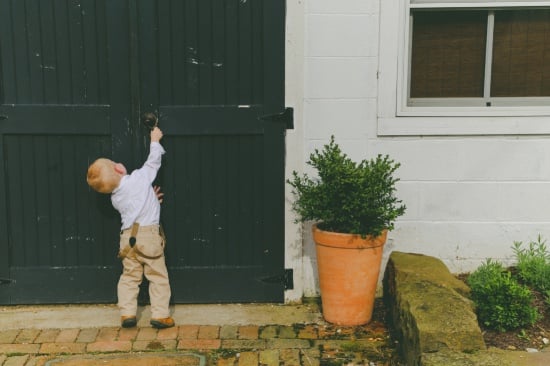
(348,197)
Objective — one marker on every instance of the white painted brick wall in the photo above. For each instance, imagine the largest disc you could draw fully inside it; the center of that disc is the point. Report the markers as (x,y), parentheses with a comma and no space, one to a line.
(468,198)
(340,78)
(325,32)
(340,87)
(342,6)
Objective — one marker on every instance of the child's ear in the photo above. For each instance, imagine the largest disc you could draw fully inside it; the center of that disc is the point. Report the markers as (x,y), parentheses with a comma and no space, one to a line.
(118,169)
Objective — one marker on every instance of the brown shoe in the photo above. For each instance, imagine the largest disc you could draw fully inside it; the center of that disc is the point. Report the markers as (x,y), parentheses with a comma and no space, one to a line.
(128,321)
(162,323)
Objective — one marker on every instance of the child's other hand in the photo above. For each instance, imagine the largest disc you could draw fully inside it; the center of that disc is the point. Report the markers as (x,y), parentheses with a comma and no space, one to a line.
(159,194)
(156,134)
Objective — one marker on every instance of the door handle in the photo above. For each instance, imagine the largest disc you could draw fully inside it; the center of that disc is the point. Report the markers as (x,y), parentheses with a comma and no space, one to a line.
(3,117)
(150,120)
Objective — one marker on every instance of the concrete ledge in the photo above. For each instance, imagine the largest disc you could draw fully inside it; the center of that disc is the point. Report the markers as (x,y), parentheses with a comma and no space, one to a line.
(491,357)
(96,316)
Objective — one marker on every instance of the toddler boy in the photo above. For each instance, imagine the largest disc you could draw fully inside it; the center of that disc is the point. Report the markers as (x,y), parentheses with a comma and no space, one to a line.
(141,239)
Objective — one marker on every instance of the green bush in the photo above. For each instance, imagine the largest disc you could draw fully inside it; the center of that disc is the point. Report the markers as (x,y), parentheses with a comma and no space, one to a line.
(501,302)
(348,197)
(533,264)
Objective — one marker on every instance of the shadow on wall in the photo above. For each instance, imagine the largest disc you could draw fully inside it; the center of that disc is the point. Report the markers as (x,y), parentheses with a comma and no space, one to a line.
(311,277)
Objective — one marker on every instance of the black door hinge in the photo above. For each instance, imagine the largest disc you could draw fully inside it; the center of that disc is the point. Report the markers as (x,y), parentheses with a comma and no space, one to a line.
(287,279)
(286,117)
(6,281)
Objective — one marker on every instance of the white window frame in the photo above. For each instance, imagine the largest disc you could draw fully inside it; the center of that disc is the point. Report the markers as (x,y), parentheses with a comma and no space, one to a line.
(396,118)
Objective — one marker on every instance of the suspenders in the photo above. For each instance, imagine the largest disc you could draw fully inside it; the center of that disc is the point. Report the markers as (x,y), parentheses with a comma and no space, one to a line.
(132,241)
(133,234)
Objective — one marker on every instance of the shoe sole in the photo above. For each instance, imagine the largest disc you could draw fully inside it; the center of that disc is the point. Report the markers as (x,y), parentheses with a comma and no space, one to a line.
(160,325)
(129,323)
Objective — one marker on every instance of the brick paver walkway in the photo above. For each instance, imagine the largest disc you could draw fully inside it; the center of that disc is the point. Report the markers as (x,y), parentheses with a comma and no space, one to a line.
(271,345)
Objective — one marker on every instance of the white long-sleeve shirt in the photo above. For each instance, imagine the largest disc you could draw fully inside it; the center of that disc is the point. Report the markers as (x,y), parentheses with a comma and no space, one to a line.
(135,198)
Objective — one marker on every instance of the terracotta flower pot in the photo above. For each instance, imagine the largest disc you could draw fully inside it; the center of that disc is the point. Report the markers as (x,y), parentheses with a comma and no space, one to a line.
(348,268)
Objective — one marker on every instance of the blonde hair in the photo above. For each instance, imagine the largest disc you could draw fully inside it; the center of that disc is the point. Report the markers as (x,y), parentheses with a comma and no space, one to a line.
(102,176)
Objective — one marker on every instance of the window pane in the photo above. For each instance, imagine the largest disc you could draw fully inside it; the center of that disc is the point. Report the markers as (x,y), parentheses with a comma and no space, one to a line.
(448,54)
(521,61)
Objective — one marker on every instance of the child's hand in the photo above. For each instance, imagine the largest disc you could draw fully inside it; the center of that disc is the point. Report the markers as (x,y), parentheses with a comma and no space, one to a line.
(156,134)
(159,194)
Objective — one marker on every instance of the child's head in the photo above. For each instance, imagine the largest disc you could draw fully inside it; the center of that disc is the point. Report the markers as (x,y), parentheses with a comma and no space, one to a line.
(104,175)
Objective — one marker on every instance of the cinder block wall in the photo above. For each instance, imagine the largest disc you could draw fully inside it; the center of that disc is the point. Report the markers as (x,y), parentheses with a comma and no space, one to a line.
(469,197)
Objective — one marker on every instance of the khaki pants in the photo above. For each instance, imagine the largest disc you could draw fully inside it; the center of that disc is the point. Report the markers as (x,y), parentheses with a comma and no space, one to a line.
(135,266)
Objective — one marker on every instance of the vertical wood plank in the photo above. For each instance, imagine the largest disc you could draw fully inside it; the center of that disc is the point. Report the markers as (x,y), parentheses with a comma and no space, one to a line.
(76,46)
(69,205)
(205,52)
(119,83)
(148,55)
(48,45)
(21,53)
(8,94)
(28,202)
(274,56)
(232,53)
(83,233)
(245,52)
(90,65)
(257,56)
(101,51)
(218,52)
(55,163)
(35,51)
(259,248)
(192,53)
(233,225)
(14,194)
(178,44)
(62,52)
(274,152)
(205,240)
(168,52)
(42,197)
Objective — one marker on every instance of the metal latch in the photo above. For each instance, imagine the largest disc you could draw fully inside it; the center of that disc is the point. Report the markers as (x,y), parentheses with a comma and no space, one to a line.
(6,281)
(287,117)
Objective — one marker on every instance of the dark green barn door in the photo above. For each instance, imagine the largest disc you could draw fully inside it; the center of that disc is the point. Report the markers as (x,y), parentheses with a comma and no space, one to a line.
(56,242)
(219,72)
(75,76)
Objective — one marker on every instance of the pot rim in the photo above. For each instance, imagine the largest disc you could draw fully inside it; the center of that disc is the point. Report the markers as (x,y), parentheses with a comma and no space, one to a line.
(347,241)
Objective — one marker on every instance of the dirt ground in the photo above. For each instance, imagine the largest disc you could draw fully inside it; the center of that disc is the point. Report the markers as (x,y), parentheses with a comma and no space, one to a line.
(381,352)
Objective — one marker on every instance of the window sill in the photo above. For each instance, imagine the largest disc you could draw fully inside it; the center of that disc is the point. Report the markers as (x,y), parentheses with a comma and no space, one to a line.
(479,111)
(455,126)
